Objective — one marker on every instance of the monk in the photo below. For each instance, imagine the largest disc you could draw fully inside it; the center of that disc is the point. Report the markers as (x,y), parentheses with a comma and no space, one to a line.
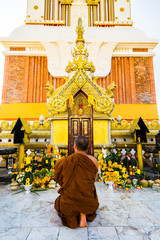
(76,175)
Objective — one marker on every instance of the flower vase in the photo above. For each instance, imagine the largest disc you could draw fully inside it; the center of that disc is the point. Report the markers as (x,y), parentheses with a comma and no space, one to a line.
(28,188)
(110,185)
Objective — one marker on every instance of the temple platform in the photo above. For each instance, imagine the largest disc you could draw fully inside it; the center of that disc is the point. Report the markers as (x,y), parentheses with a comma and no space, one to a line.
(122,215)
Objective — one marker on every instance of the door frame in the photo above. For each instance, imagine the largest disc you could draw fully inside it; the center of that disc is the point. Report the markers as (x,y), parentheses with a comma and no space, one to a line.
(70,117)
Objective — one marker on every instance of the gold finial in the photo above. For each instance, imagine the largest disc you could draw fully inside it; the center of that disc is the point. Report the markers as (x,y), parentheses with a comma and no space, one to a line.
(80,53)
(80,31)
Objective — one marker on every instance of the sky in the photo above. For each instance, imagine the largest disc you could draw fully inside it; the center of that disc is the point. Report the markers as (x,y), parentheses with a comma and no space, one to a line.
(144,14)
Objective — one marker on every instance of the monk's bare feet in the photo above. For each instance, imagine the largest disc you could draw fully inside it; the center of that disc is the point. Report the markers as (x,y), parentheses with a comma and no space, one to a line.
(83,221)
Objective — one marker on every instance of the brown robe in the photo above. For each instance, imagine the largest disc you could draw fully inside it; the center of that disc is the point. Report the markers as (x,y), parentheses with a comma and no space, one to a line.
(76,176)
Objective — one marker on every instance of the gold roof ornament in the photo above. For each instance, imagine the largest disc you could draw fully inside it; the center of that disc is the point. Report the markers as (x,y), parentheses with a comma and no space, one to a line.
(80,53)
(62,98)
(80,31)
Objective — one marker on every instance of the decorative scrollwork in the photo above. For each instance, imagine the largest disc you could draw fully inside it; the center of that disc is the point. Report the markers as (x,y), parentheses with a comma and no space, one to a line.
(57,104)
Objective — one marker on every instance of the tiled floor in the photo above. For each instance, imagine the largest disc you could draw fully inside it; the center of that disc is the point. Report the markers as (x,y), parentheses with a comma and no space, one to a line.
(133,215)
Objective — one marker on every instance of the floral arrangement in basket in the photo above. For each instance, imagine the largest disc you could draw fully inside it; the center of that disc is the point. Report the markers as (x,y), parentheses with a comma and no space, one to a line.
(38,169)
(110,169)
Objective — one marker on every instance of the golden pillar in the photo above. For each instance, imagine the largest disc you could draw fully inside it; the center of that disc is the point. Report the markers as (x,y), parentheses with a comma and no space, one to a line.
(139,155)
(21,155)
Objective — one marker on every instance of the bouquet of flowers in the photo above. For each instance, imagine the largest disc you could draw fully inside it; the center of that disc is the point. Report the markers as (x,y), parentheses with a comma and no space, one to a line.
(28,176)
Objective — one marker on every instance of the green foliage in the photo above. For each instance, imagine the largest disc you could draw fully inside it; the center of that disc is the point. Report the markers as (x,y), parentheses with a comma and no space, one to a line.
(113,157)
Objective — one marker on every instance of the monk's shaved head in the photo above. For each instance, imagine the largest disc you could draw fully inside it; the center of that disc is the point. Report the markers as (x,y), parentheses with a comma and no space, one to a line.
(82,143)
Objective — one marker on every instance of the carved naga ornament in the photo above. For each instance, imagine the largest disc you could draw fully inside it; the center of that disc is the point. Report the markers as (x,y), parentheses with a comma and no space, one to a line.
(81,69)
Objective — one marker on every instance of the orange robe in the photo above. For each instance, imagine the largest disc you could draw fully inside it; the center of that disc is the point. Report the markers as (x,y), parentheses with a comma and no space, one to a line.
(76,176)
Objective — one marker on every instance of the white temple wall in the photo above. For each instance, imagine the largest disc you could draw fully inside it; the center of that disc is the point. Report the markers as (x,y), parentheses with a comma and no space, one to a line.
(122,10)
(35,10)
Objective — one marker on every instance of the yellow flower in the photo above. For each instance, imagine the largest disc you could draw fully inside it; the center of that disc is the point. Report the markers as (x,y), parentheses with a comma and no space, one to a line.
(15,165)
(138,171)
(46,161)
(109,163)
(115,165)
(27,181)
(101,162)
(27,169)
(120,166)
(126,189)
(100,156)
(125,175)
(22,165)
(52,164)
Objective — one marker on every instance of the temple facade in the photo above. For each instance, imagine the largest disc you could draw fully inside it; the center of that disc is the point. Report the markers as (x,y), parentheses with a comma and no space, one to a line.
(38,52)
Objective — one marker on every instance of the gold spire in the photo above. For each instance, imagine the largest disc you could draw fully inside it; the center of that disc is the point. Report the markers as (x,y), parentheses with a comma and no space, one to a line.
(80,53)
(80,31)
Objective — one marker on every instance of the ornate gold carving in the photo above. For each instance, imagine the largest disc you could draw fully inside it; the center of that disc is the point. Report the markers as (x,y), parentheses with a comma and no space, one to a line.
(154,125)
(4,125)
(57,104)
(80,80)
(110,89)
(71,102)
(80,31)
(79,64)
(80,54)
(102,104)
(100,98)
(86,109)
(49,87)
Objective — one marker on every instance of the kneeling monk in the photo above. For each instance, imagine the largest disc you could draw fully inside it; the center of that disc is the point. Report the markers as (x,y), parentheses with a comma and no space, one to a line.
(76,175)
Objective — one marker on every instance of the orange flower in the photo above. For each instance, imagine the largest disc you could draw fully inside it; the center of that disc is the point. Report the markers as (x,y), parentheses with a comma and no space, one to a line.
(22,165)
(15,165)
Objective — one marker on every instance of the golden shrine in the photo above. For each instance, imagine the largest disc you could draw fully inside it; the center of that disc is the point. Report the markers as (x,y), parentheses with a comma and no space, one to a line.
(80,105)
(110,82)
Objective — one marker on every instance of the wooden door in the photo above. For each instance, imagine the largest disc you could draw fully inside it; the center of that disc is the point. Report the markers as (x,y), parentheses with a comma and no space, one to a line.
(80,126)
